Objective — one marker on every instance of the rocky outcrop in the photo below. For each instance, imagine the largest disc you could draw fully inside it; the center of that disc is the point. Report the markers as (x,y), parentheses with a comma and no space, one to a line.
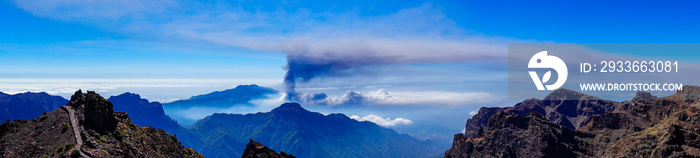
(644,96)
(676,136)
(257,150)
(646,126)
(95,110)
(480,120)
(564,107)
(529,135)
(85,127)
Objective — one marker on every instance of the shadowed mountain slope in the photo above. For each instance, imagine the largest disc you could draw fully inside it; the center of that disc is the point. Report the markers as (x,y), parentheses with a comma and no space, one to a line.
(28,105)
(142,112)
(296,131)
(242,94)
(647,126)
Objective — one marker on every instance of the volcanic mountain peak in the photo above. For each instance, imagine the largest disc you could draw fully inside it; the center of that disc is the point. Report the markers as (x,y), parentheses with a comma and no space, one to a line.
(128,95)
(691,89)
(564,94)
(241,95)
(252,89)
(30,93)
(332,135)
(644,96)
(290,107)
(688,94)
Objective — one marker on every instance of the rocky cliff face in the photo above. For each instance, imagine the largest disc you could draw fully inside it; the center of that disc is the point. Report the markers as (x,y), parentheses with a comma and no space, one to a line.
(564,107)
(647,126)
(513,135)
(480,120)
(144,113)
(87,127)
(93,110)
(257,150)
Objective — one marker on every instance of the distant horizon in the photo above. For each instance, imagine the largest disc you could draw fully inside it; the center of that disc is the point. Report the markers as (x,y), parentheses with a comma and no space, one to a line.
(412,63)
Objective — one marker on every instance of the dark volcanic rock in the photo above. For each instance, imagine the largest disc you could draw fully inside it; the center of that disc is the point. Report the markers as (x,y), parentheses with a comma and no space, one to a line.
(513,135)
(564,107)
(688,94)
(37,137)
(676,136)
(644,96)
(87,128)
(560,95)
(644,127)
(479,120)
(257,150)
(98,111)
(572,108)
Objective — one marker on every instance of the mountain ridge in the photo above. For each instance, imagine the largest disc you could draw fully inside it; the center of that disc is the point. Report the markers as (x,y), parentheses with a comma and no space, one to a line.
(562,106)
(241,94)
(143,112)
(28,105)
(297,122)
(303,133)
(645,126)
(87,126)
(239,97)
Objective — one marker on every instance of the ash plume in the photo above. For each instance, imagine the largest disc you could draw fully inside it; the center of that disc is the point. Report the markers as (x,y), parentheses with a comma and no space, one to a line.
(344,57)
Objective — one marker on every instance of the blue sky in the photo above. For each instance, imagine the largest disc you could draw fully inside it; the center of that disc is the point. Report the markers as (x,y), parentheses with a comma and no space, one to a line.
(445,56)
(594,21)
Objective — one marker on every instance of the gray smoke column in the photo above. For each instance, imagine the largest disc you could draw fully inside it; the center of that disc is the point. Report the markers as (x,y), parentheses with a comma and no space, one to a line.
(343,57)
(304,64)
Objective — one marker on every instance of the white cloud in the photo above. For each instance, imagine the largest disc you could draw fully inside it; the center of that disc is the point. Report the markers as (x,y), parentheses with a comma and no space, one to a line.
(94,9)
(165,100)
(189,115)
(423,98)
(66,87)
(441,98)
(386,122)
(423,34)
(419,35)
(472,113)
